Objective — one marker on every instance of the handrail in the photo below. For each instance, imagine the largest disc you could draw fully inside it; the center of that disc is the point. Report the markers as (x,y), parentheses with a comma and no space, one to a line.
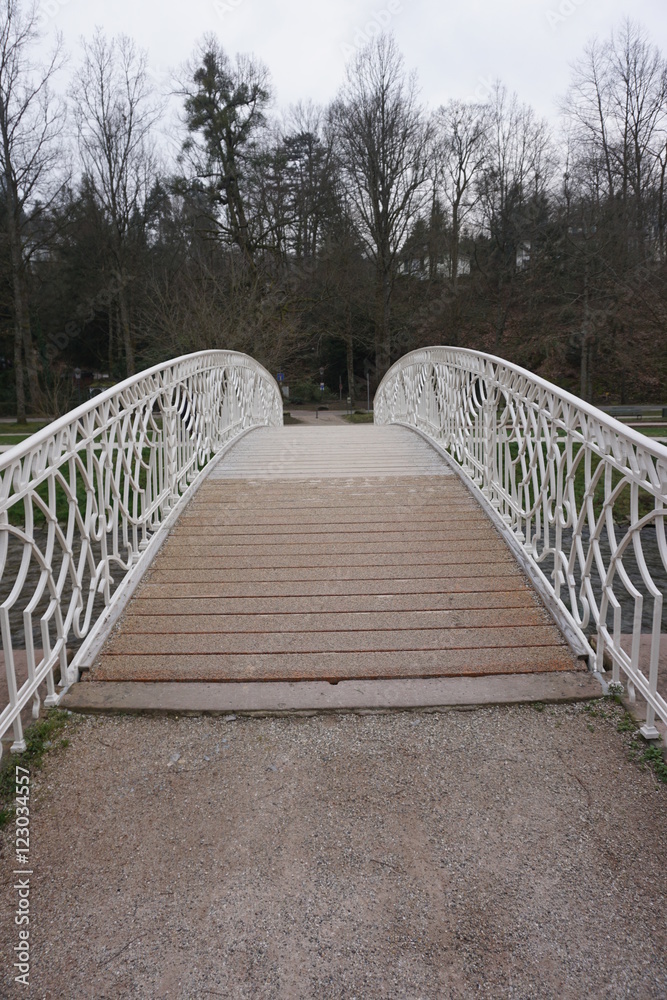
(581,497)
(86,502)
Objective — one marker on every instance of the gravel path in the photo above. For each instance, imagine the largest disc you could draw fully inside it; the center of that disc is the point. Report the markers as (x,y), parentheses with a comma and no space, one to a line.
(498,852)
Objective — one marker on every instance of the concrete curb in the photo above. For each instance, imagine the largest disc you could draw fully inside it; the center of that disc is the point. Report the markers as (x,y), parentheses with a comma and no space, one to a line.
(285,698)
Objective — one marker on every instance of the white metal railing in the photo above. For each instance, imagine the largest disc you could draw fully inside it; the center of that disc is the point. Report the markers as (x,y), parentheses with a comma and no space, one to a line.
(581,498)
(86,502)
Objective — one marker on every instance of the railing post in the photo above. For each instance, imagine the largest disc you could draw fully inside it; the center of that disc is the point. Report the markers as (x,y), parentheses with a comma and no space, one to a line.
(18,746)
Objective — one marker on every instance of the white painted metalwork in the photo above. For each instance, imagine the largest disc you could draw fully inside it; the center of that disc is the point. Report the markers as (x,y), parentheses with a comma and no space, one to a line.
(581,496)
(86,502)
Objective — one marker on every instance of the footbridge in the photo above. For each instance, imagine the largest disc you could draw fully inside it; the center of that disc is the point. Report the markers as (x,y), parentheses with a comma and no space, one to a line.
(172,533)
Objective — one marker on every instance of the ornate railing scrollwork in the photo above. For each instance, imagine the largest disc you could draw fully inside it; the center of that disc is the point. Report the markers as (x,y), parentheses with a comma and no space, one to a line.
(583,495)
(86,501)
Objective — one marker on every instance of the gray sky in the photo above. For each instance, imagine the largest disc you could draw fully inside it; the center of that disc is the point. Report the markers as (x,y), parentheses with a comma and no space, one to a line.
(458,48)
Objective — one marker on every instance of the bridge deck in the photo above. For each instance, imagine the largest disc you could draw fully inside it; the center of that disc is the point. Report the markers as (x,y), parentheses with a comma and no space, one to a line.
(330,553)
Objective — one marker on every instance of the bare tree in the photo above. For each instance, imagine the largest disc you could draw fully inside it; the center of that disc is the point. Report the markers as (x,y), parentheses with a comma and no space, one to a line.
(31,121)
(382,142)
(617,109)
(460,150)
(662,177)
(587,106)
(115,114)
(616,113)
(517,174)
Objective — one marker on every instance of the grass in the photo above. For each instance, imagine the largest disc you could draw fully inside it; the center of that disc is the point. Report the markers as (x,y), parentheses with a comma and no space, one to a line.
(13,438)
(646,502)
(643,752)
(16,513)
(358,417)
(654,432)
(627,724)
(15,433)
(41,736)
(653,757)
(11,434)
(24,429)
(621,504)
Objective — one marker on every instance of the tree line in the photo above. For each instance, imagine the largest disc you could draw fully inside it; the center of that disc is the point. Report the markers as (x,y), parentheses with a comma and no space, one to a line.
(327,239)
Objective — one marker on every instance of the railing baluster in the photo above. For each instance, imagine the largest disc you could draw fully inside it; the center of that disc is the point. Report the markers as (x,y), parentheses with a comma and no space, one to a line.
(566,478)
(111,474)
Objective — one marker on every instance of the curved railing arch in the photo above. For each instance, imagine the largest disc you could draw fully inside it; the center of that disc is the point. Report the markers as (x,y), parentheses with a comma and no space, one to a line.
(86,502)
(581,497)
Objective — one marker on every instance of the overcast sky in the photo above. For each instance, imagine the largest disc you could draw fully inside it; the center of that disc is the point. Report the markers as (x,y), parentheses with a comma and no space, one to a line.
(457,48)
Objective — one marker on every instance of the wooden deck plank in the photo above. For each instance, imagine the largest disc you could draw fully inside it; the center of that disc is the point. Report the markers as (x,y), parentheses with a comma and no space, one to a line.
(220,537)
(285,604)
(357,641)
(426,568)
(335,666)
(393,554)
(326,587)
(369,560)
(199,622)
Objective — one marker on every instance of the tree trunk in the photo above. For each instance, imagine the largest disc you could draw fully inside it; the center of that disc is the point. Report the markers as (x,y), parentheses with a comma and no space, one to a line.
(454,248)
(21,414)
(350,369)
(25,361)
(433,239)
(31,358)
(454,321)
(235,207)
(124,313)
(382,325)
(24,351)
(378,323)
(503,310)
(583,370)
(661,206)
(111,322)
(584,375)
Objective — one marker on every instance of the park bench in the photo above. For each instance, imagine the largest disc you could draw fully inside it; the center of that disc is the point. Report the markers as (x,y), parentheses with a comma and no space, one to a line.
(654,411)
